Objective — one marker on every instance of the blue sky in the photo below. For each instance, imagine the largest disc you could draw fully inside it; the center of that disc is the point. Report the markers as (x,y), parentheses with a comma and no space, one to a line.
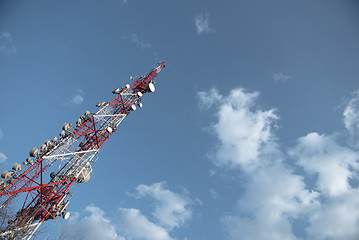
(251,134)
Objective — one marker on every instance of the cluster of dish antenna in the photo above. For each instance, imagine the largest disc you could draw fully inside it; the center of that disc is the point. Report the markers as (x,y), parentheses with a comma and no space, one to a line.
(47,146)
(8,175)
(36,153)
(108,118)
(149,88)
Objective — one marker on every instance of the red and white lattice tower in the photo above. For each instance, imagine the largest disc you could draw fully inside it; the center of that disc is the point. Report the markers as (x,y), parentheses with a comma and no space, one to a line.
(47,176)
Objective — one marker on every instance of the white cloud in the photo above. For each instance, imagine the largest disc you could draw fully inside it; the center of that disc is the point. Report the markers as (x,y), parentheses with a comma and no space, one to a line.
(335,164)
(134,225)
(93,227)
(6,43)
(171,209)
(338,218)
(2,157)
(275,197)
(78,98)
(209,98)
(129,223)
(281,77)
(351,118)
(243,132)
(134,39)
(202,23)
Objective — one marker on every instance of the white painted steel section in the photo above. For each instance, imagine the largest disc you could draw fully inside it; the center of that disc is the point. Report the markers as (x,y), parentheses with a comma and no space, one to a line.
(72,162)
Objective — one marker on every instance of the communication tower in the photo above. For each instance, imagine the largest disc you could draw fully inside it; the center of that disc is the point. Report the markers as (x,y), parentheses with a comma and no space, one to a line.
(43,182)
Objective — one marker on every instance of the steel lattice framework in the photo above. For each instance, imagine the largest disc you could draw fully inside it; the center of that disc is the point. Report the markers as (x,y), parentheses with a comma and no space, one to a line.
(68,159)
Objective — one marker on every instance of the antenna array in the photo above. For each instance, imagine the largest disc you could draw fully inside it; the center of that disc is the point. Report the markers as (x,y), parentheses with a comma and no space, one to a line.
(47,176)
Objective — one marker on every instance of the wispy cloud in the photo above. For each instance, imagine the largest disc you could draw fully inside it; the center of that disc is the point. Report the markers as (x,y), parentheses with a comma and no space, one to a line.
(6,43)
(64,47)
(202,23)
(78,98)
(281,77)
(351,119)
(207,99)
(213,193)
(134,39)
(2,157)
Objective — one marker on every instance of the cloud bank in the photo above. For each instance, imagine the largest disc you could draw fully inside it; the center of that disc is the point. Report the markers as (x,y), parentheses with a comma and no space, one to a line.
(171,210)
(134,225)
(275,197)
(93,226)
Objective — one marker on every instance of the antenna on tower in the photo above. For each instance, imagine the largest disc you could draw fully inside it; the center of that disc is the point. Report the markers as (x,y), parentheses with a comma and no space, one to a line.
(43,183)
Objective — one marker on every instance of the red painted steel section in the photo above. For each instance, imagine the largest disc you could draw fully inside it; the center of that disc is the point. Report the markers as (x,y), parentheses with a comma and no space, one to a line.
(42,200)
